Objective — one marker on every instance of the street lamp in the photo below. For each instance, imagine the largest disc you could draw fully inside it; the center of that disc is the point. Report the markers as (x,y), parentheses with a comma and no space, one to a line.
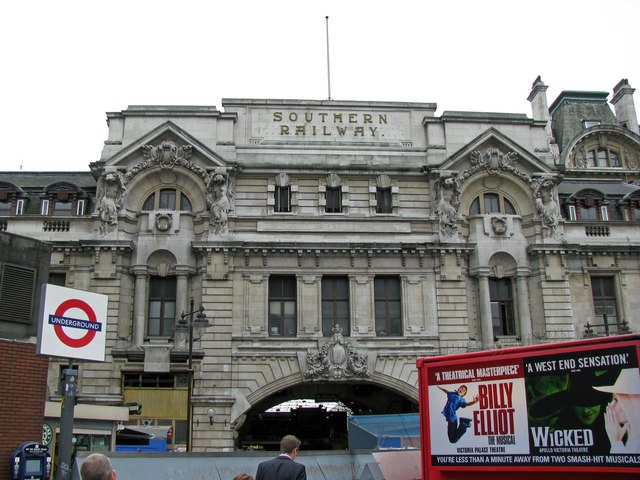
(201,323)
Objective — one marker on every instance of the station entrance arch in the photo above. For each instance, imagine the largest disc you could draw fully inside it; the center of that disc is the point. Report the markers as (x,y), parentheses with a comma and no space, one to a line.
(309,412)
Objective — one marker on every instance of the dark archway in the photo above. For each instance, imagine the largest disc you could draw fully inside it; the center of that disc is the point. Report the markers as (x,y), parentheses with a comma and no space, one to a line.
(318,427)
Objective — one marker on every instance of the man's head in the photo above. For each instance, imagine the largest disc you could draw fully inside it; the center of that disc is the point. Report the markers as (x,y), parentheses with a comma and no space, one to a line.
(97,467)
(290,445)
(462,390)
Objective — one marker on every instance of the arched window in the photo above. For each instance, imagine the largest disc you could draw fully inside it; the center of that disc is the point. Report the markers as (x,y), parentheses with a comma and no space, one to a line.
(491,203)
(603,157)
(167,199)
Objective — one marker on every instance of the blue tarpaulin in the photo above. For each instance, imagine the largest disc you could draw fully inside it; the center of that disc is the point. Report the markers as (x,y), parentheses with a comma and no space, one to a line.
(384,431)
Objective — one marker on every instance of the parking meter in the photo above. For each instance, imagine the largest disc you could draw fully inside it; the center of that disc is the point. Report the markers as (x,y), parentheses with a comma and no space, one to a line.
(31,461)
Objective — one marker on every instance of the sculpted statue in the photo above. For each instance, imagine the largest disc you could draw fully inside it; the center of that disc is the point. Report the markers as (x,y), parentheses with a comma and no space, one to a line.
(219,202)
(111,191)
(447,206)
(547,207)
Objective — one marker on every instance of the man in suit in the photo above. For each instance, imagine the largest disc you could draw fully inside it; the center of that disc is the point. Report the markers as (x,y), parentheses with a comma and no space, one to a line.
(283,466)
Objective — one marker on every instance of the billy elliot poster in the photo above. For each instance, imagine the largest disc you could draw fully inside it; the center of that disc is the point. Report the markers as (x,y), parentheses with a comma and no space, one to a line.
(575,408)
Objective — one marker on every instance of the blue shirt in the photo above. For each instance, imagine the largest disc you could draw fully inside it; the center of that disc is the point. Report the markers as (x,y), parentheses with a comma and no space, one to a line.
(454,402)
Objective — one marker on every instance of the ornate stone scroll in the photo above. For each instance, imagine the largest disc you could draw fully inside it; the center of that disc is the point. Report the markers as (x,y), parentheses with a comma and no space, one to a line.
(336,359)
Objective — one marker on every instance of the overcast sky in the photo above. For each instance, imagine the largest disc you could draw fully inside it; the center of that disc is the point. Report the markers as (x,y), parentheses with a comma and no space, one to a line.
(65,63)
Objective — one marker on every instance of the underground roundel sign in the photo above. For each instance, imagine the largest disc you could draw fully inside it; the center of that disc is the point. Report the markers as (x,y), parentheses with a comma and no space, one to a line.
(72,323)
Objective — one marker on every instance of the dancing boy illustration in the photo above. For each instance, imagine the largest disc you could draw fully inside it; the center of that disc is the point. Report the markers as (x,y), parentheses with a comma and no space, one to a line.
(455,400)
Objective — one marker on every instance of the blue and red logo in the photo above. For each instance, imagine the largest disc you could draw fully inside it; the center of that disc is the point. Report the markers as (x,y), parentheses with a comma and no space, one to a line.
(59,321)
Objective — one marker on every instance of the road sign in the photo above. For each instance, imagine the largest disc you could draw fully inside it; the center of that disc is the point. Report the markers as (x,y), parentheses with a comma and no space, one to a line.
(72,323)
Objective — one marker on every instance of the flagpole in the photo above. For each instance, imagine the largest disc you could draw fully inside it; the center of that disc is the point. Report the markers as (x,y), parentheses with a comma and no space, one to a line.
(328,66)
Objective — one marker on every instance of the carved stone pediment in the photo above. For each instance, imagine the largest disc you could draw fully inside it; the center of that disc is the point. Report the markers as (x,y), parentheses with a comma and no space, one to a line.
(337,358)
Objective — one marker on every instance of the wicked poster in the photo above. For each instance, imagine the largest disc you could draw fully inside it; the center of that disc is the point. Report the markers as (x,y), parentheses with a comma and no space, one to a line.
(584,407)
(537,411)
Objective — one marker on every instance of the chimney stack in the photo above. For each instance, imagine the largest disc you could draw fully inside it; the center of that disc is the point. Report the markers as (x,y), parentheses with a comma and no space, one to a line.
(625,108)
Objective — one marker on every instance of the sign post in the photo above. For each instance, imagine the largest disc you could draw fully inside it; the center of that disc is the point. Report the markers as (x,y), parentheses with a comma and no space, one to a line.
(72,325)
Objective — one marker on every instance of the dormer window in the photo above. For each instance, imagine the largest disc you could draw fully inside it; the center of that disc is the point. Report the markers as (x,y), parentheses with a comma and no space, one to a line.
(591,123)
(589,206)
(10,203)
(66,200)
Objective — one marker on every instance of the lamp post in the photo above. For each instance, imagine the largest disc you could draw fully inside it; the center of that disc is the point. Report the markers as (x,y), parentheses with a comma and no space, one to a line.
(201,323)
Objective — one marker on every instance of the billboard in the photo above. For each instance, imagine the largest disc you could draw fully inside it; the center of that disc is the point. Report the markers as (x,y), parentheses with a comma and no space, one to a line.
(574,407)
(72,323)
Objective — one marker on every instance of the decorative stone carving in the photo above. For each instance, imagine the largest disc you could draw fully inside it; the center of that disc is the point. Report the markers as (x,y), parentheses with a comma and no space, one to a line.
(494,162)
(544,193)
(164,221)
(631,159)
(580,159)
(282,179)
(110,194)
(336,359)
(499,225)
(219,196)
(447,204)
(167,154)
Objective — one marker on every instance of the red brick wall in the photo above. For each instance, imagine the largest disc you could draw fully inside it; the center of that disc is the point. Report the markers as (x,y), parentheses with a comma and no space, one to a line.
(23,391)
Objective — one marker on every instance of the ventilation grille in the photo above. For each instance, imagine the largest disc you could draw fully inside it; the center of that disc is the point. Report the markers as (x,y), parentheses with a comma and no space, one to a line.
(16,293)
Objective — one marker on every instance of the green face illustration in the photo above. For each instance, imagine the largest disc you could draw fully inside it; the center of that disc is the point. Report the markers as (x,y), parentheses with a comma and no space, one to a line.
(587,415)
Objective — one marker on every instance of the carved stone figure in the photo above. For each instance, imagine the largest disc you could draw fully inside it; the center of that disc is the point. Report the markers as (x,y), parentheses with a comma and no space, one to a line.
(547,207)
(219,202)
(447,207)
(111,191)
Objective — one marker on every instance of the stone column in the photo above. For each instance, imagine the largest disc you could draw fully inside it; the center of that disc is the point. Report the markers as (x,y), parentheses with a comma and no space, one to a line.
(524,312)
(139,304)
(182,297)
(486,323)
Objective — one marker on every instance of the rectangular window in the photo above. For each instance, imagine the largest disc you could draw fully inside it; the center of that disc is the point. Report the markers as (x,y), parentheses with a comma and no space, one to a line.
(604,213)
(282,306)
(282,199)
(588,213)
(80,208)
(58,278)
(20,206)
(44,207)
(572,213)
(62,209)
(387,306)
(167,199)
(162,306)
(604,300)
(335,305)
(491,203)
(383,200)
(6,208)
(502,307)
(334,200)
(151,380)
